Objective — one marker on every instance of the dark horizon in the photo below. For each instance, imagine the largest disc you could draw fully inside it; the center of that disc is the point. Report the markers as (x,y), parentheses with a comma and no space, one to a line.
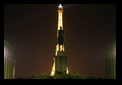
(32,29)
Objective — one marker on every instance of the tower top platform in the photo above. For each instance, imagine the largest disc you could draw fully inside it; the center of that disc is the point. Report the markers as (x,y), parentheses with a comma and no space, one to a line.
(60,6)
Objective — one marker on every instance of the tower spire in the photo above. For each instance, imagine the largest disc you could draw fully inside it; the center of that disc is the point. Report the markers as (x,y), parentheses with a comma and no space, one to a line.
(60,6)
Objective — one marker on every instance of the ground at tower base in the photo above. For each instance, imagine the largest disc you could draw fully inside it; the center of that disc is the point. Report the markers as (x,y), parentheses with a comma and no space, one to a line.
(61,76)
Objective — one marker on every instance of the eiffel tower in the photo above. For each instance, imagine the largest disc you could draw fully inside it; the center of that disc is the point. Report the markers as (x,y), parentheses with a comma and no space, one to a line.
(60,60)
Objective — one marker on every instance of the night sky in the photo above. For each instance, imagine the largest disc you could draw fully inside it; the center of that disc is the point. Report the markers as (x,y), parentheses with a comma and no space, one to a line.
(32,30)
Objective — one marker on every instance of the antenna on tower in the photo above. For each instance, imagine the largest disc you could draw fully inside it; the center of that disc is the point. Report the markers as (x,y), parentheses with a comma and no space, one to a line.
(60,6)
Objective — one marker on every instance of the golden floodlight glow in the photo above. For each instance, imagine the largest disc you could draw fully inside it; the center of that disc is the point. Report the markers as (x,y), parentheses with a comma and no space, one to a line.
(61,48)
(57,49)
(67,70)
(53,69)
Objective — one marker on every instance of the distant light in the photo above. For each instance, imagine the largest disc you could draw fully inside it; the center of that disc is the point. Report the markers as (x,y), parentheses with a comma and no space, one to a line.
(115,51)
(5,53)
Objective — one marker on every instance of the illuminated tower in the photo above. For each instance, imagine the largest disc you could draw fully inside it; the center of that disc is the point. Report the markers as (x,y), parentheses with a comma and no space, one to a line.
(60,60)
